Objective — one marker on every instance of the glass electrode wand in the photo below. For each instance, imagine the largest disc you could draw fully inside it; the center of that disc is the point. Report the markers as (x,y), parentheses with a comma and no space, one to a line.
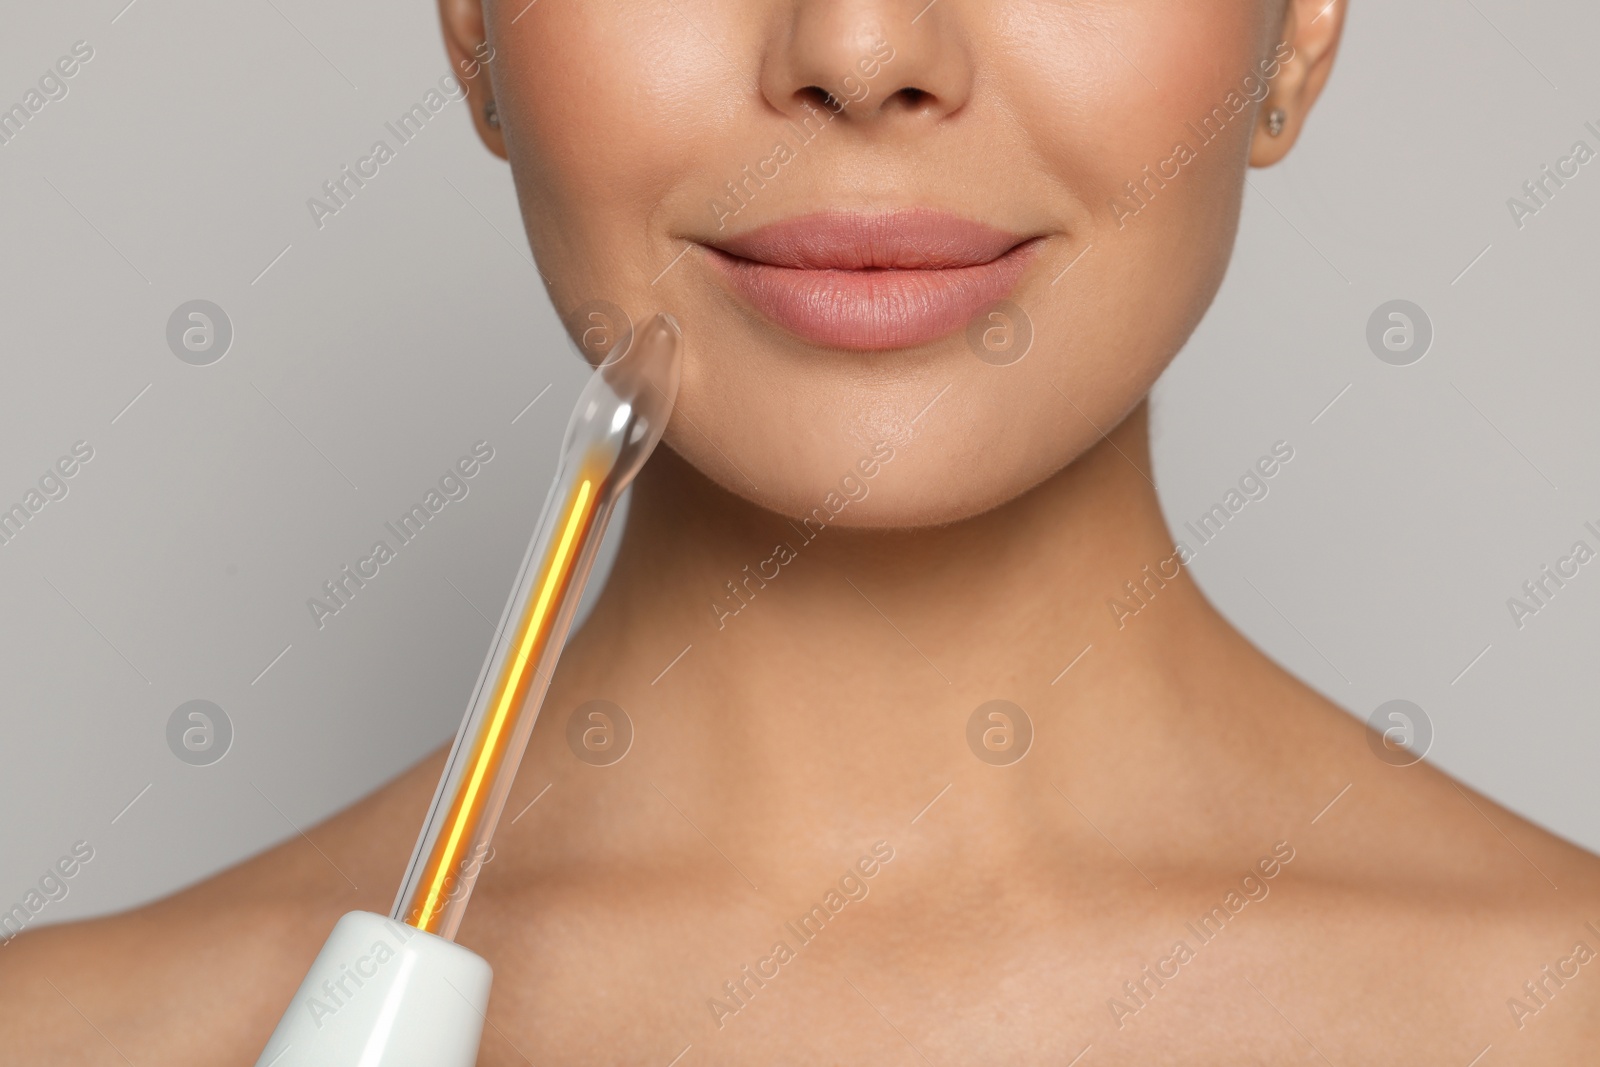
(618,420)
(396,991)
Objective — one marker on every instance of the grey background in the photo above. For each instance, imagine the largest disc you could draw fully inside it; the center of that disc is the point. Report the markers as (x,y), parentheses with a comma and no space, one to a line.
(369,355)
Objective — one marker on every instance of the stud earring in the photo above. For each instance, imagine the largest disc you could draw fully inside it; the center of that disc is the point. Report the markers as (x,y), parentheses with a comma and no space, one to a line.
(1275,120)
(491,115)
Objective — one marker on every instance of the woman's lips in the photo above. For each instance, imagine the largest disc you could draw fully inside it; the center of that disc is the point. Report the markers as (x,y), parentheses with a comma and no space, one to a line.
(872,282)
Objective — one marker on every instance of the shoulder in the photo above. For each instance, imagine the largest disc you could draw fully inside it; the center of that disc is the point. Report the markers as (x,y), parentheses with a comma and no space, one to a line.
(1436,908)
(202,976)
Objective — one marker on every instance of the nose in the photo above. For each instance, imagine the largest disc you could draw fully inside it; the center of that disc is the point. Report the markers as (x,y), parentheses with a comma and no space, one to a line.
(869,61)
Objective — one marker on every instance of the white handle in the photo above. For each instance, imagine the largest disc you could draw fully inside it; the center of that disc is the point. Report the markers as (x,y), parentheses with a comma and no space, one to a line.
(384,994)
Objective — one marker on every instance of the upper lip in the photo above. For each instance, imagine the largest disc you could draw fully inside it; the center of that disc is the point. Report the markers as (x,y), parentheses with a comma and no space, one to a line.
(914,239)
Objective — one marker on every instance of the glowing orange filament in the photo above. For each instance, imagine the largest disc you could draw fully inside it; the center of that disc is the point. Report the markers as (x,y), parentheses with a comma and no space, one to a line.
(530,639)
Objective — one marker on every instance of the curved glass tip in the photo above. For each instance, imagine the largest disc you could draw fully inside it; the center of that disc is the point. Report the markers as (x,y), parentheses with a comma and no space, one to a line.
(623,410)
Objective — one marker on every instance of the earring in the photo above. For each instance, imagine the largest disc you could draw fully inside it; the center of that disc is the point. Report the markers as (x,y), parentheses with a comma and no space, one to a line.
(1275,120)
(491,115)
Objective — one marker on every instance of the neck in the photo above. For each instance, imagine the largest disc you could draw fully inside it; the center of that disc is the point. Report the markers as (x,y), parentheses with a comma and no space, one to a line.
(848,666)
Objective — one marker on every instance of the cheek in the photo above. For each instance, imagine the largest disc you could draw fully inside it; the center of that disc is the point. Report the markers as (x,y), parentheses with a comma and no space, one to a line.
(1116,90)
(614,97)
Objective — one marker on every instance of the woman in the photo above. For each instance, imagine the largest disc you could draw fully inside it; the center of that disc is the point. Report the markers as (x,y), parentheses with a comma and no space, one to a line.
(903,787)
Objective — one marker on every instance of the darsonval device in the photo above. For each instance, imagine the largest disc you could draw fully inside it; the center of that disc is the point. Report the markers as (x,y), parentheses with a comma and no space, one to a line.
(396,990)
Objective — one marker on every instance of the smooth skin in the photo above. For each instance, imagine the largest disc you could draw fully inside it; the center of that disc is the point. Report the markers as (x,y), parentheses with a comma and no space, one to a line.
(830,712)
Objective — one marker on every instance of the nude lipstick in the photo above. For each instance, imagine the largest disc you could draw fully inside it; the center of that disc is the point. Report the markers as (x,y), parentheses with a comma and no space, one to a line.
(871,282)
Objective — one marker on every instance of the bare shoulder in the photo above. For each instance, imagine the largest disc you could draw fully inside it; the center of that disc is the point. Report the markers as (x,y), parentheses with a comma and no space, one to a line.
(1445,919)
(202,976)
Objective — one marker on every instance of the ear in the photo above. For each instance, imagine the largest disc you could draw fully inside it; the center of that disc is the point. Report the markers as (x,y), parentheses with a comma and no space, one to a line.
(1310,39)
(466,40)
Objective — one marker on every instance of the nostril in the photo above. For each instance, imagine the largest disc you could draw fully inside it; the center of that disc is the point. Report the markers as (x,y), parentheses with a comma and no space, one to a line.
(912,97)
(815,94)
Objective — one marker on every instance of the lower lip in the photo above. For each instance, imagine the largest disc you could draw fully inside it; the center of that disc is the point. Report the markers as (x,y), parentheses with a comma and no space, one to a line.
(873,310)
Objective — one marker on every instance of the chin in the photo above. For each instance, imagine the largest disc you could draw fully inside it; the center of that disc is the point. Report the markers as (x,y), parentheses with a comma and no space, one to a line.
(892,476)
